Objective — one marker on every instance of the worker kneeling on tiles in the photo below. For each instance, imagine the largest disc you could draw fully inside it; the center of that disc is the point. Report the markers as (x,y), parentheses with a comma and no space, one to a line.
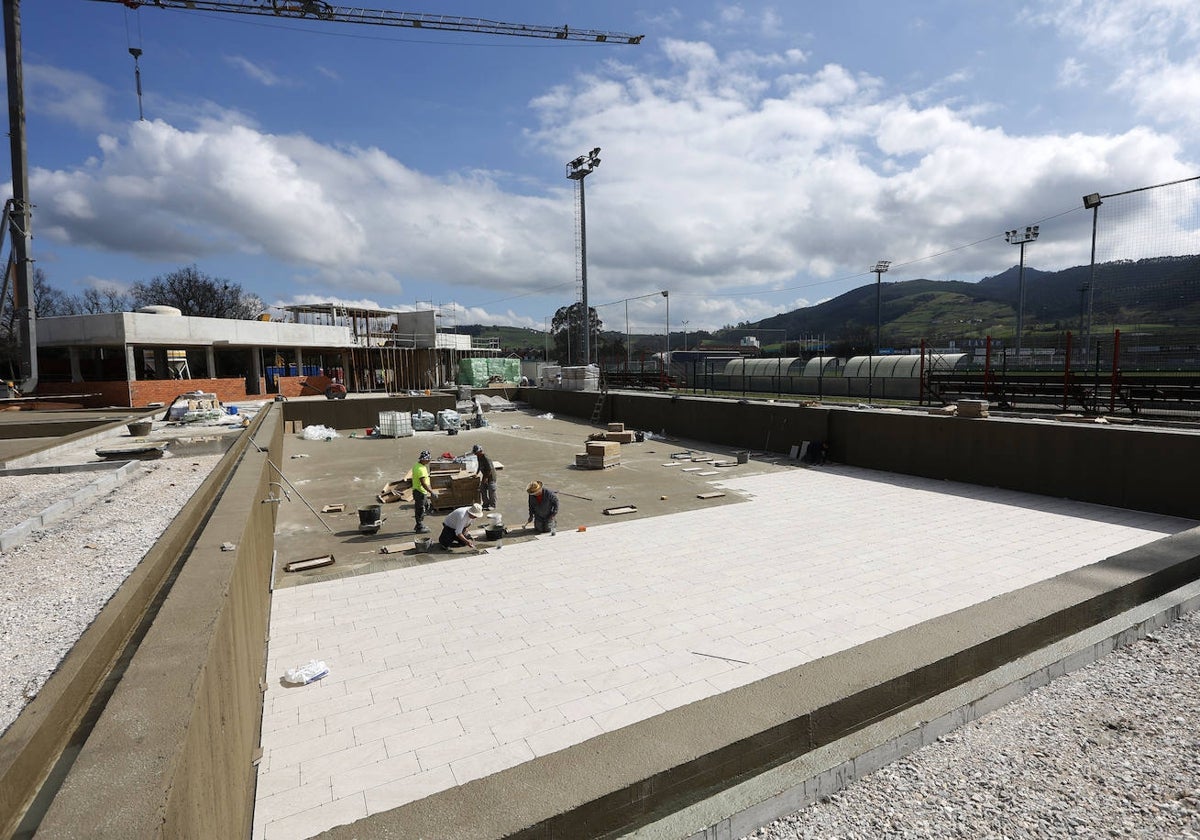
(454,526)
(543,508)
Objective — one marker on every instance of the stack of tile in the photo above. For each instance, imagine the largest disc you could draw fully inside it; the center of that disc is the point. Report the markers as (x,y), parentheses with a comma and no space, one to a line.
(600,455)
(973,408)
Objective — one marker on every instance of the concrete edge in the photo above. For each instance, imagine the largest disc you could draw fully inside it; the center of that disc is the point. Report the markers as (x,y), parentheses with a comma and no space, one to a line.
(43,453)
(20,532)
(747,806)
(619,781)
(30,747)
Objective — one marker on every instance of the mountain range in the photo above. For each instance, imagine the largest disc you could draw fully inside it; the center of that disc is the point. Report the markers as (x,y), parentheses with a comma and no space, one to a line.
(1159,295)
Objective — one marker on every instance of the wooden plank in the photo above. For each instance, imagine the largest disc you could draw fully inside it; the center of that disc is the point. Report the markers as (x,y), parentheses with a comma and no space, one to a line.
(338,508)
(709,495)
(617,511)
(310,563)
(709,472)
(691,469)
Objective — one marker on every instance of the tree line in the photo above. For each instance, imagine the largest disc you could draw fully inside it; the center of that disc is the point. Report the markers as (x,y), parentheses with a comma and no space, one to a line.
(188,289)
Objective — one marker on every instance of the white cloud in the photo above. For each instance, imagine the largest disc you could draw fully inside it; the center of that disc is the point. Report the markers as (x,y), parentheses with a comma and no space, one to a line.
(726,173)
(1144,49)
(256,72)
(67,95)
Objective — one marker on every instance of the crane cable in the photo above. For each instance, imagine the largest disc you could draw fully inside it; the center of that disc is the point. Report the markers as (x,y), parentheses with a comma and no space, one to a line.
(136,52)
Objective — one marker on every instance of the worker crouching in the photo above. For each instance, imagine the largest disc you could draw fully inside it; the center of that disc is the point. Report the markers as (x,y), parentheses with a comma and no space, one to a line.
(543,508)
(454,526)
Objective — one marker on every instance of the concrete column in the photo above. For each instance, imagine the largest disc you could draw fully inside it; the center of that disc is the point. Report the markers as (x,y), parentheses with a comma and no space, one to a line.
(160,363)
(73,355)
(210,359)
(299,361)
(132,372)
(254,380)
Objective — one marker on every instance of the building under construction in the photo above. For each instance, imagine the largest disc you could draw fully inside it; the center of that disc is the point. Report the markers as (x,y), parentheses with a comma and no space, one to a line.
(137,358)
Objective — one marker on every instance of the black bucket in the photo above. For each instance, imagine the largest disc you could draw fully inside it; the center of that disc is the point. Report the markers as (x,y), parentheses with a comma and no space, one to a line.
(494,532)
(369,517)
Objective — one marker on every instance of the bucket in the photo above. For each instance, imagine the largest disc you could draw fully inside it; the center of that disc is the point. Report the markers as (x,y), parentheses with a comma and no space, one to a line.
(743,456)
(369,515)
(140,428)
(423,544)
(494,532)
(231,409)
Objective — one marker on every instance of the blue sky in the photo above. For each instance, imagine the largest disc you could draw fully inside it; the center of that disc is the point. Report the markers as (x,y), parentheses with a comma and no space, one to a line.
(756,157)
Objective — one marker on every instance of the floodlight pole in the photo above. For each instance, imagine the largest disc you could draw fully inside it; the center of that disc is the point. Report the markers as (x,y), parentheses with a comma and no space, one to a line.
(577,170)
(880,268)
(1091,202)
(667,350)
(1022,238)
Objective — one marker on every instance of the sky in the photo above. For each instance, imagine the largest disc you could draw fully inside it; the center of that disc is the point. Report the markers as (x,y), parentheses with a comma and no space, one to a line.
(755,157)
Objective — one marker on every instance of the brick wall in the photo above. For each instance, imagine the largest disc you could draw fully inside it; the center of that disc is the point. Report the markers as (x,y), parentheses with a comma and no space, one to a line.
(144,392)
(303,386)
(99,394)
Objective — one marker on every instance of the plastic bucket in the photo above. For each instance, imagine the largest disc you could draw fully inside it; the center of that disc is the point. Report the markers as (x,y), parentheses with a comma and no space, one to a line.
(140,428)
(423,544)
(743,456)
(369,515)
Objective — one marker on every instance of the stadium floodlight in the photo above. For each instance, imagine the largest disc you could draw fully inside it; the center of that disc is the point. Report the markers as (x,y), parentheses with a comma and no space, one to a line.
(881,266)
(1022,238)
(577,170)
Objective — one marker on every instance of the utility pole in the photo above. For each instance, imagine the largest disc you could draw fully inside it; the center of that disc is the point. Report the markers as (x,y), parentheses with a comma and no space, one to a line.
(18,215)
(577,170)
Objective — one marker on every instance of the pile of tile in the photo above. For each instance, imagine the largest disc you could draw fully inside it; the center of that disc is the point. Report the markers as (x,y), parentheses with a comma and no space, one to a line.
(600,455)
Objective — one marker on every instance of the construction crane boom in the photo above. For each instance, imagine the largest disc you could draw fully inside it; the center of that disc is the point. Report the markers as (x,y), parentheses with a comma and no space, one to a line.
(321,10)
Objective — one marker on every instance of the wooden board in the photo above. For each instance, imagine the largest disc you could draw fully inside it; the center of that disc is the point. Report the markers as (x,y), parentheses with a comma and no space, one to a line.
(310,563)
(338,508)
(691,469)
(617,511)
(709,472)
(398,548)
(709,495)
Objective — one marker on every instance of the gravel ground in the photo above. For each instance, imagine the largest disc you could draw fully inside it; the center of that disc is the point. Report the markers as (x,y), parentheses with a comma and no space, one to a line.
(1111,750)
(54,584)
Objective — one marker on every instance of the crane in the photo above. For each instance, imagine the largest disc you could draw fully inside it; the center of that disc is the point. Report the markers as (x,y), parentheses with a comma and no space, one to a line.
(17,212)
(321,10)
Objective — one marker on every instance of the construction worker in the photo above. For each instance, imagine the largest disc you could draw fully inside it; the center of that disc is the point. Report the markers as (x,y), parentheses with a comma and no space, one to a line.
(454,527)
(487,477)
(422,490)
(543,508)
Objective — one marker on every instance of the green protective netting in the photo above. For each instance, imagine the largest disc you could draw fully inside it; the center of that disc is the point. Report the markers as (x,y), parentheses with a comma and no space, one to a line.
(477,372)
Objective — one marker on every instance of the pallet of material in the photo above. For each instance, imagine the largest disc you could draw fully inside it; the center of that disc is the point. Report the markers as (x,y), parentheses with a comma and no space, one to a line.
(603,448)
(619,437)
(596,462)
(616,427)
(972,408)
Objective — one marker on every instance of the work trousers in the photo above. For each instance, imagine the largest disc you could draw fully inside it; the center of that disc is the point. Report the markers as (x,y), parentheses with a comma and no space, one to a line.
(421,506)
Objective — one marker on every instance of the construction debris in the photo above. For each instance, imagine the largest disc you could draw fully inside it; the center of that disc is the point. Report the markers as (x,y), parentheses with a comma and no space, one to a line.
(338,508)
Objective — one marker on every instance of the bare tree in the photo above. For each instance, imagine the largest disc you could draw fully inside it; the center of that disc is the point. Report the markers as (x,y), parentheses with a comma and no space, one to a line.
(194,293)
(94,301)
(47,301)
